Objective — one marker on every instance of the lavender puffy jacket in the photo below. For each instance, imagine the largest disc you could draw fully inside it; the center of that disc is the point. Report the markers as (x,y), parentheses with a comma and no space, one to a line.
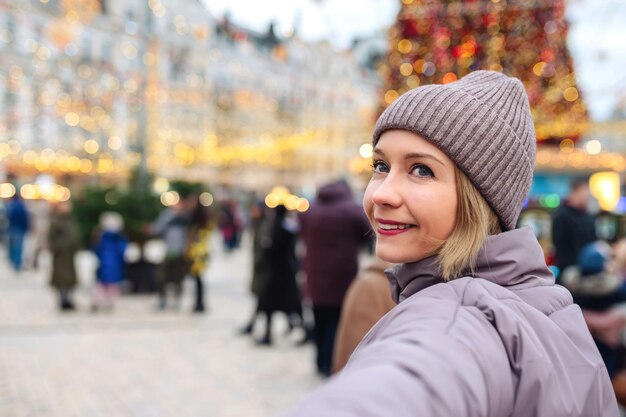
(506,343)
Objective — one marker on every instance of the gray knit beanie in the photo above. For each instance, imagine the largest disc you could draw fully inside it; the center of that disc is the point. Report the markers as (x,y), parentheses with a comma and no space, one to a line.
(483,123)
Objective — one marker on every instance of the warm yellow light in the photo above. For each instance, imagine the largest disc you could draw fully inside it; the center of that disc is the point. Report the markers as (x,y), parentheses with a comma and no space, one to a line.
(272,200)
(570,94)
(449,77)
(30,157)
(161,185)
(538,68)
(42,165)
(48,155)
(206,199)
(170,198)
(105,165)
(303,205)
(605,187)
(29,192)
(406,69)
(85,166)
(418,66)
(593,147)
(405,46)
(566,145)
(291,202)
(366,150)
(62,193)
(413,81)
(72,119)
(391,96)
(73,163)
(280,191)
(7,190)
(47,192)
(115,143)
(91,146)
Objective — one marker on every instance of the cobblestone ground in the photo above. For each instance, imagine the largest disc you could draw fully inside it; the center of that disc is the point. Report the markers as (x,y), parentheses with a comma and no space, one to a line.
(137,361)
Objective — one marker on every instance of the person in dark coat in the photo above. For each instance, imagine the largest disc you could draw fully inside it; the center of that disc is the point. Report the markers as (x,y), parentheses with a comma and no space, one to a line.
(64,242)
(19,223)
(260,228)
(333,230)
(109,247)
(572,226)
(279,290)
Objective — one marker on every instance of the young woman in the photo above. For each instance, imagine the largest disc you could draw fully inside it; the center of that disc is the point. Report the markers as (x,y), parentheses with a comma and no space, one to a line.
(481,329)
(198,250)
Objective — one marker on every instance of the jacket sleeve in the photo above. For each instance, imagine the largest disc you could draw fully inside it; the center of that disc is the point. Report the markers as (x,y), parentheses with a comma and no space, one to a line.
(429,371)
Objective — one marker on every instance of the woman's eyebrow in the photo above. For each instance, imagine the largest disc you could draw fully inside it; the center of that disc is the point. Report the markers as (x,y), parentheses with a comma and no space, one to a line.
(414,155)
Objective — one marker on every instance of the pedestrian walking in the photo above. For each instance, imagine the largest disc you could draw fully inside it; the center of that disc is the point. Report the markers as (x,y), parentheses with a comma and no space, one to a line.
(481,329)
(572,226)
(198,249)
(172,225)
(63,242)
(333,230)
(231,224)
(279,290)
(19,223)
(39,225)
(261,224)
(110,246)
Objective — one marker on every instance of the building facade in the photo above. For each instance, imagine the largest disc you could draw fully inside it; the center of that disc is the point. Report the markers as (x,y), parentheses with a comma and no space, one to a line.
(95,88)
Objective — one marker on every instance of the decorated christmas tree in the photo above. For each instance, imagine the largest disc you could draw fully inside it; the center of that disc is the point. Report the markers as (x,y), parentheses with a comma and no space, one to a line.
(439,41)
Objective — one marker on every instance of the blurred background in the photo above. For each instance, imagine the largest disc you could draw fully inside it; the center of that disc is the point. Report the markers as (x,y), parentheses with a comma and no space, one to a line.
(120,119)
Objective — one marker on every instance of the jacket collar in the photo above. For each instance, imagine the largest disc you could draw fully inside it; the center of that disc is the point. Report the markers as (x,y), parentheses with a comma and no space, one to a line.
(513,258)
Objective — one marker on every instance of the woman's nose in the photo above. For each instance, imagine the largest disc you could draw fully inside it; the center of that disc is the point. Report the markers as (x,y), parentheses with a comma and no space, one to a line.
(388,193)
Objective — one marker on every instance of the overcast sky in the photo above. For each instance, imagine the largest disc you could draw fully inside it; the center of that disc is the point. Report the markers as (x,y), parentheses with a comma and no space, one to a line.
(337,20)
(597,34)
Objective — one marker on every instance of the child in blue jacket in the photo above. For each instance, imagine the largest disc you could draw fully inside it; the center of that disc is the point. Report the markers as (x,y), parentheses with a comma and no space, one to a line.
(110,246)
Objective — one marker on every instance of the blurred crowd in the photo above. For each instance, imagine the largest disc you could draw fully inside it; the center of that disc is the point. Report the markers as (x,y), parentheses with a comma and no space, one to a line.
(304,265)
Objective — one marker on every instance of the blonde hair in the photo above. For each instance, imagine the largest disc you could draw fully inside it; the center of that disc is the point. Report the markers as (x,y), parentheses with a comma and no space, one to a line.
(475,220)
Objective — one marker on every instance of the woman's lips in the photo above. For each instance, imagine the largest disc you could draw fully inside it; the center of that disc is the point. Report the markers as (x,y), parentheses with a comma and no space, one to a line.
(392,227)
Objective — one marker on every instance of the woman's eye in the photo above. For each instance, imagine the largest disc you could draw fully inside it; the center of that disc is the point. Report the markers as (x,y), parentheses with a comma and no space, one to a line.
(379,166)
(422,171)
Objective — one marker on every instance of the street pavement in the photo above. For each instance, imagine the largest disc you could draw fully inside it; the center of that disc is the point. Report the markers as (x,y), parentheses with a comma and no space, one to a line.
(137,361)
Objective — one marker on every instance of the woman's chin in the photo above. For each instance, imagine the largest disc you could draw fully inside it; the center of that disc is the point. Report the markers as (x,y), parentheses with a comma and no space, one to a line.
(391,256)
(394,256)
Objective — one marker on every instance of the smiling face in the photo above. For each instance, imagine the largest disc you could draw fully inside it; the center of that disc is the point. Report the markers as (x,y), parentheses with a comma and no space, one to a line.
(411,200)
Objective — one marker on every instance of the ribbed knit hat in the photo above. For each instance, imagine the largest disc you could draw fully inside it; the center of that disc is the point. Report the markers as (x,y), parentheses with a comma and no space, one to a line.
(483,123)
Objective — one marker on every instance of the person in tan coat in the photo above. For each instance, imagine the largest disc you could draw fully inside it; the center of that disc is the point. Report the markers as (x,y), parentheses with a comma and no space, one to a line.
(367,300)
